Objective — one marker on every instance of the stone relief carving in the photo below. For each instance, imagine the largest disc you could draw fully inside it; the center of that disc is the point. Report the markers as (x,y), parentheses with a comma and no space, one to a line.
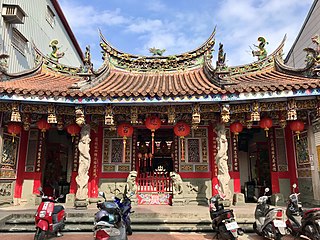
(84,163)
(222,161)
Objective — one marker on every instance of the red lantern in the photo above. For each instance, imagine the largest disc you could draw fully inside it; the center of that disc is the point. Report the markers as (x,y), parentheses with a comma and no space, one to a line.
(73,129)
(297,126)
(43,125)
(153,123)
(14,129)
(124,130)
(266,124)
(236,128)
(181,129)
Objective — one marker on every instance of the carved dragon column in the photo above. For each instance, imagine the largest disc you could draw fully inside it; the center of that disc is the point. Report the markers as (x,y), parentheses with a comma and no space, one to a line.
(82,179)
(222,161)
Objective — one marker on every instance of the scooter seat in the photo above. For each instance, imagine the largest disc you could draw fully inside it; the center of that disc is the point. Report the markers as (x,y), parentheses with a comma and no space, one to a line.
(219,212)
(57,209)
(312,210)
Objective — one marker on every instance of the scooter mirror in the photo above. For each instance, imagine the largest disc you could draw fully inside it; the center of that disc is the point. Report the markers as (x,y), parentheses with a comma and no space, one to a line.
(267,190)
(294,185)
(101,194)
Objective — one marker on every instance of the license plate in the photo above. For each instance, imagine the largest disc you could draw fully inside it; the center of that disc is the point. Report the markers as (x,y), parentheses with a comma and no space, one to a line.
(232,225)
(279,223)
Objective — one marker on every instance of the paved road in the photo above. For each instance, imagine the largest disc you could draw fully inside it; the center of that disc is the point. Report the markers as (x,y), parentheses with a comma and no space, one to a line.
(135,236)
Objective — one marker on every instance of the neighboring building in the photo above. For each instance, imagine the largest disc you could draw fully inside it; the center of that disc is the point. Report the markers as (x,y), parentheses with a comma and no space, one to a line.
(260,103)
(24,23)
(311,27)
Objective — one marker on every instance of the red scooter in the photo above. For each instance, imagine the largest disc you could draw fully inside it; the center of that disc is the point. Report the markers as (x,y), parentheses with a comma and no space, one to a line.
(49,218)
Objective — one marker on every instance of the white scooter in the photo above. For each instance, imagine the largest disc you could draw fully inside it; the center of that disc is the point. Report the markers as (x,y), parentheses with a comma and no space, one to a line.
(269,222)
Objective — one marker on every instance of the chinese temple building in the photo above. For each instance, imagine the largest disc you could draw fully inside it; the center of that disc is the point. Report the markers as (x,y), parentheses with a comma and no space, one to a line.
(166,128)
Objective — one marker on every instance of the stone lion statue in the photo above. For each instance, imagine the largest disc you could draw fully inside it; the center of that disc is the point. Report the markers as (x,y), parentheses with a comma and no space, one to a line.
(131,182)
(177,183)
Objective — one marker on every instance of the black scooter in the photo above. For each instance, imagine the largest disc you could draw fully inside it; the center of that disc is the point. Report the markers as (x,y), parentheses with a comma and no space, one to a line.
(124,203)
(223,220)
(302,222)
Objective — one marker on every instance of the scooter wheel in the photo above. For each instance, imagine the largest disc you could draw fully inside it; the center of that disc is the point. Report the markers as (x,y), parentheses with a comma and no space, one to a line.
(40,234)
(129,230)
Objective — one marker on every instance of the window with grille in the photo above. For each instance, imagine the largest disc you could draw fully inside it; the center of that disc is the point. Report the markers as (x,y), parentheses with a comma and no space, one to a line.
(19,41)
(50,16)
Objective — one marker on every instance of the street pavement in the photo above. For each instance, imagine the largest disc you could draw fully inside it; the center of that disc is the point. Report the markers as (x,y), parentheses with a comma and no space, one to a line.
(136,236)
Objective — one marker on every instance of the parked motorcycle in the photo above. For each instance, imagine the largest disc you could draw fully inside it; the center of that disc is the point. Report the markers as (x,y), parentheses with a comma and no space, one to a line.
(269,222)
(223,220)
(302,222)
(108,223)
(49,218)
(124,203)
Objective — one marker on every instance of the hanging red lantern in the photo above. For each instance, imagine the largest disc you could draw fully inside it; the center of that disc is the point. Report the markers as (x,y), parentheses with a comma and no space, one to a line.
(14,129)
(297,126)
(266,124)
(124,130)
(43,125)
(73,129)
(181,129)
(153,123)
(236,128)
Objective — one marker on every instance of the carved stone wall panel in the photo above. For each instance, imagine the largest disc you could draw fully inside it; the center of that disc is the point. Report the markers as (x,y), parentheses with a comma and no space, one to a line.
(6,191)
(201,168)
(109,168)
(186,168)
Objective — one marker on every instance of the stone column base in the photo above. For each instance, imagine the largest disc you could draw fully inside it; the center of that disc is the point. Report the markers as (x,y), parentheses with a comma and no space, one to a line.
(238,199)
(80,204)
(70,198)
(178,202)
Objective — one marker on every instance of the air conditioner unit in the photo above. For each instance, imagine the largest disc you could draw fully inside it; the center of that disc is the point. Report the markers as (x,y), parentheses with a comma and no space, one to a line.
(13,14)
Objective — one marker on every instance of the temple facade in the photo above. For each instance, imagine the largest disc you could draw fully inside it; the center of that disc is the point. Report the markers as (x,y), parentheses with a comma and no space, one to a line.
(167,129)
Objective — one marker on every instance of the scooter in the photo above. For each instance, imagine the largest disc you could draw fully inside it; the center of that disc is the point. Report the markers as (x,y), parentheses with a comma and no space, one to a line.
(223,220)
(108,223)
(124,203)
(269,222)
(302,222)
(49,218)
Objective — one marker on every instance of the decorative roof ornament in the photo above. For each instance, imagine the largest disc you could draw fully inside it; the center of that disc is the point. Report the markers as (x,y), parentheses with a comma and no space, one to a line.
(108,118)
(88,65)
(261,53)
(80,119)
(55,54)
(171,115)
(292,110)
(313,56)
(221,62)
(15,114)
(225,113)
(4,62)
(134,115)
(255,114)
(196,119)
(156,51)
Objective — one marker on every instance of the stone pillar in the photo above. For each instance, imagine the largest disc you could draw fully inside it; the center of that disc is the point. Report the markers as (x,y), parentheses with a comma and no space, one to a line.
(222,161)
(82,179)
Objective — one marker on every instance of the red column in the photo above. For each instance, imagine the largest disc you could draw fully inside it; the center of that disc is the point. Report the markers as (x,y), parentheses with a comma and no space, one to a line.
(37,182)
(95,153)
(292,167)
(74,173)
(235,174)
(275,186)
(212,161)
(21,163)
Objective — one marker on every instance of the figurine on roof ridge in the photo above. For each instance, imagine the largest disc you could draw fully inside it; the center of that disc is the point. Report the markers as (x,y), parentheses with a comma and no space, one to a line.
(313,55)
(55,54)
(261,53)
(156,51)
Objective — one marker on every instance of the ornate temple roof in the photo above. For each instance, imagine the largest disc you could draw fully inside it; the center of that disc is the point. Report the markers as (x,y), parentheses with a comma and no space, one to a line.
(184,77)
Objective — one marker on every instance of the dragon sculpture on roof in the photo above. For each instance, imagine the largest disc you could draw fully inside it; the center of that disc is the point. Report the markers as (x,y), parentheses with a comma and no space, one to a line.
(261,53)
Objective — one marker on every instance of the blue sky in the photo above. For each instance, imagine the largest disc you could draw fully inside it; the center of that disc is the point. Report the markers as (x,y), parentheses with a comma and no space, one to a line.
(133,26)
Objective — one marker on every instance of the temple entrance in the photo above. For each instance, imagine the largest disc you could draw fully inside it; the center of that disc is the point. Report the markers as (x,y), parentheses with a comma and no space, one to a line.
(154,182)
(254,161)
(57,163)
